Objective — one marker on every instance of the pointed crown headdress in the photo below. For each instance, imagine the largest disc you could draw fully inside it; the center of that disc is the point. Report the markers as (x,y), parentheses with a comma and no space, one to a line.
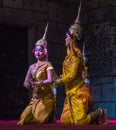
(43,41)
(75,29)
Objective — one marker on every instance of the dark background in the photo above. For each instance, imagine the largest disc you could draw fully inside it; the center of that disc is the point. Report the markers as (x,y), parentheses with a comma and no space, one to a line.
(13,67)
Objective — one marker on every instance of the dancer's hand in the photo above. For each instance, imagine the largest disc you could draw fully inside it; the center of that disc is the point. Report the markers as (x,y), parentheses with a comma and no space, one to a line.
(59,81)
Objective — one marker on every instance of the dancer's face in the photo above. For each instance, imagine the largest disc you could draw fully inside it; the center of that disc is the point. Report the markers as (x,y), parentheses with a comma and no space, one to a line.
(39,52)
(67,39)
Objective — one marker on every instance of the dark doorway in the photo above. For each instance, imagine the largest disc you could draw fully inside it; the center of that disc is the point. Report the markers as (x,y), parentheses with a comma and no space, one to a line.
(13,67)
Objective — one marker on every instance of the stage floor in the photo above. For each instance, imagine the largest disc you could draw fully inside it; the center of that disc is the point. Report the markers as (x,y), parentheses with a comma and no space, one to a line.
(12,125)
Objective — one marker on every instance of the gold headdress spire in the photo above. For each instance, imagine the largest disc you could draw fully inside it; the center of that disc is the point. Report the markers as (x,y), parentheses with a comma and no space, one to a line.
(46,29)
(77,20)
(75,29)
(43,40)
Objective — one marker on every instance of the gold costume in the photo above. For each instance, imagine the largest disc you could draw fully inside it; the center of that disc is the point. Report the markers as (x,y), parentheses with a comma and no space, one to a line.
(41,108)
(77,105)
(78,95)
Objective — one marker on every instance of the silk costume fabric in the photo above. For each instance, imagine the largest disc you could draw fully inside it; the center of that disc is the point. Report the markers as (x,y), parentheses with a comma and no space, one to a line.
(78,95)
(41,108)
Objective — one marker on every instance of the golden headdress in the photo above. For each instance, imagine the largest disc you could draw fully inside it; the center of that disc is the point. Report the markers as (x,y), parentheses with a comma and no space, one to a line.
(43,41)
(76,29)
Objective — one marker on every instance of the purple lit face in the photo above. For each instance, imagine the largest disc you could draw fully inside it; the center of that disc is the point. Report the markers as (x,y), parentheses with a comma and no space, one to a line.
(67,39)
(39,52)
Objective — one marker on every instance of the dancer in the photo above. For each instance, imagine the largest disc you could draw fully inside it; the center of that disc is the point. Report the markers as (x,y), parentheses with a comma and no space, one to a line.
(77,104)
(41,108)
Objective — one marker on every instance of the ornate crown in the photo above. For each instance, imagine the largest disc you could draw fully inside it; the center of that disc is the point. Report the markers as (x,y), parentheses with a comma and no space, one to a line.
(75,29)
(43,41)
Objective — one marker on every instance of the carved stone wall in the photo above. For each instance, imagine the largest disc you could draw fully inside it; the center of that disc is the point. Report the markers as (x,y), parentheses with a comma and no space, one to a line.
(100,49)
